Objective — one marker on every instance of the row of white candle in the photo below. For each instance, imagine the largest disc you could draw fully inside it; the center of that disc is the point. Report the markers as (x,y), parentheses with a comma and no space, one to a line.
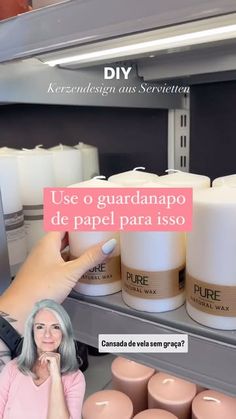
(23,175)
(163,254)
(211,267)
(140,392)
(69,164)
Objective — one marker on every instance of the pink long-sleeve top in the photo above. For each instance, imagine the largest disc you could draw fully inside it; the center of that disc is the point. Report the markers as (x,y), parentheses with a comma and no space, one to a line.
(20,398)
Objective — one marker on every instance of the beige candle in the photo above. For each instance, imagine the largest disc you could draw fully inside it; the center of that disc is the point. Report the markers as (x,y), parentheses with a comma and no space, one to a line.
(211,404)
(155,414)
(172,394)
(132,379)
(107,404)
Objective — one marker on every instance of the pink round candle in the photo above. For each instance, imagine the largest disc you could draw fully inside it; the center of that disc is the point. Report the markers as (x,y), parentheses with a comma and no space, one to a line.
(132,379)
(171,393)
(155,414)
(212,404)
(107,404)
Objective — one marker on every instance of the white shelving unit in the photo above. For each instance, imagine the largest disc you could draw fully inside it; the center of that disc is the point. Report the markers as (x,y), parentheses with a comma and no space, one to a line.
(211,358)
(77,22)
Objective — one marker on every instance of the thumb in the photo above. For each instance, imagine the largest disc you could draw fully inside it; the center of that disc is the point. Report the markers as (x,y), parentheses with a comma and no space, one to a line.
(90,258)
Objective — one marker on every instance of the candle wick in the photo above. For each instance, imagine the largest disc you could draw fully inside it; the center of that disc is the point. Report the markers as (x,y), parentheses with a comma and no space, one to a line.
(139,168)
(99,177)
(173,170)
(168,380)
(211,399)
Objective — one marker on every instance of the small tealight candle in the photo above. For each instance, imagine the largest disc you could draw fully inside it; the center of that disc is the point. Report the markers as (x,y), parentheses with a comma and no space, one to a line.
(210,259)
(133,178)
(211,404)
(155,414)
(105,278)
(186,180)
(229,180)
(132,378)
(67,164)
(13,212)
(107,404)
(172,394)
(90,160)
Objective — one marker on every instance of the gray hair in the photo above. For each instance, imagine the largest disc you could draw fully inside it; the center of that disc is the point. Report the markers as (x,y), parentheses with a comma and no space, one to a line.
(28,356)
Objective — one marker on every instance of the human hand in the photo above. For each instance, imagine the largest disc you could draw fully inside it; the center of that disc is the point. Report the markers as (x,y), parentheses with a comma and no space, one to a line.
(52,360)
(45,274)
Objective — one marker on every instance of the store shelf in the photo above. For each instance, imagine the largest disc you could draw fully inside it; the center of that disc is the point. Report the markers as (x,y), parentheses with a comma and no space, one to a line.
(78,22)
(29,82)
(212,353)
(205,65)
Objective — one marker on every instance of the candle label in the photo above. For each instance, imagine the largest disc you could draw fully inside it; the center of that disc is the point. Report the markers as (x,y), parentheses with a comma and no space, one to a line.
(219,300)
(104,273)
(15,232)
(13,221)
(153,285)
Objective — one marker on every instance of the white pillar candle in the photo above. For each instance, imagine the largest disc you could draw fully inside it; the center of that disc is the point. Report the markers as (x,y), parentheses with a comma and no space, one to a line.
(210,259)
(186,180)
(13,212)
(104,278)
(133,178)
(155,414)
(156,257)
(36,173)
(67,164)
(132,378)
(211,404)
(171,393)
(107,404)
(8,150)
(225,180)
(90,160)
(153,268)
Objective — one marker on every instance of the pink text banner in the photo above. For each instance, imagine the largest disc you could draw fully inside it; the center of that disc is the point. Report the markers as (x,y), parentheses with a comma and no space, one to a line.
(118,209)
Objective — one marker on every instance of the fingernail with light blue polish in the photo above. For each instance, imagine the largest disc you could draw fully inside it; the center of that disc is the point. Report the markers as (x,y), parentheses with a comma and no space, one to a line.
(109,246)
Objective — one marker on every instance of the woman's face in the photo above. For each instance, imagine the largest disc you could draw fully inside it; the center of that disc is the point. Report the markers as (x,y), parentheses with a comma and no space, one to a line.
(47,331)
